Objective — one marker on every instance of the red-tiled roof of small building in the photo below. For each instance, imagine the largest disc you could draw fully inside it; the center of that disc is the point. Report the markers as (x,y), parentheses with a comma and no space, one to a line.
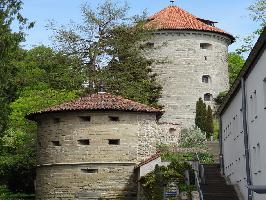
(99,101)
(175,18)
(148,160)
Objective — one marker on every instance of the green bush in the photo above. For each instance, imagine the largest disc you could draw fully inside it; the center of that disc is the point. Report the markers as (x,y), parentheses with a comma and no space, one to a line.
(6,194)
(192,138)
(154,182)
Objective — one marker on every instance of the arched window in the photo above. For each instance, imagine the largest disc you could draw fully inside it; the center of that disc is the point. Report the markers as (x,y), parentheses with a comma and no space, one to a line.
(206,79)
(207,97)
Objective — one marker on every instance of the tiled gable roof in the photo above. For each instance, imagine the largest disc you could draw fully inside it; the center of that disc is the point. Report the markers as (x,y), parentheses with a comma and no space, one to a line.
(175,18)
(99,101)
(148,160)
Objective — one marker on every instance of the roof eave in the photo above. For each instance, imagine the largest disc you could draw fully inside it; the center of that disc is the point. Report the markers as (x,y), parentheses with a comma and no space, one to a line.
(32,116)
(231,37)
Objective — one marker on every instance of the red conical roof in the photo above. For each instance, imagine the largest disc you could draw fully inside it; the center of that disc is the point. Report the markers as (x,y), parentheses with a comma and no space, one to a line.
(99,101)
(175,18)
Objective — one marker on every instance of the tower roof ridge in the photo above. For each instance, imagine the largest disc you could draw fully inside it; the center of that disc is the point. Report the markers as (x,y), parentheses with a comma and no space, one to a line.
(176,18)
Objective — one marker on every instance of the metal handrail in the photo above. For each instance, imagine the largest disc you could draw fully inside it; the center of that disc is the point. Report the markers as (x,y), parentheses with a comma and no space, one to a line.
(199,177)
(198,185)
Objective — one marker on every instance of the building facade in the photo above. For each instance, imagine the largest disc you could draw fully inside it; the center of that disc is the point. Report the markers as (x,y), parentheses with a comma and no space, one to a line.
(242,134)
(190,60)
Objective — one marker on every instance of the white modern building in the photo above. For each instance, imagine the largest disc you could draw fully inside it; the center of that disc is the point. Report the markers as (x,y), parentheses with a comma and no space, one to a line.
(243,127)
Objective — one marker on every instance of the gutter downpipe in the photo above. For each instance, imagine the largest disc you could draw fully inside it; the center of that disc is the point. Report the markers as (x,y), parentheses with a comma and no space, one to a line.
(221,156)
(246,142)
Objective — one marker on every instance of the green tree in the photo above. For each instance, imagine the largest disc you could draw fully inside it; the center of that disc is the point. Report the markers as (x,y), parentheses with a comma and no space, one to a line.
(108,43)
(17,158)
(200,119)
(129,73)
(257,12)
(43,65)
(9,43)
(235,64)
(43,78)
(209,122)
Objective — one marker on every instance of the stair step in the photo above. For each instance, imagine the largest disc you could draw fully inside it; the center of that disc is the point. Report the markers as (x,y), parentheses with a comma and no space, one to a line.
(216,187)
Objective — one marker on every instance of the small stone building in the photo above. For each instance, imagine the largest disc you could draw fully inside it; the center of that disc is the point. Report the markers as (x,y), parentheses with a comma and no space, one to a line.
(87,148)
(190,56)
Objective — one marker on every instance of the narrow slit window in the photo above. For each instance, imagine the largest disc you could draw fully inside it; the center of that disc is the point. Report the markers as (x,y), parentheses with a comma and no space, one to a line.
(84,142)
(149,44)
(114,142)
(114,118)
(264,91)
(56,143)
(85,118)
(206,46)
(89,171)
(255,104)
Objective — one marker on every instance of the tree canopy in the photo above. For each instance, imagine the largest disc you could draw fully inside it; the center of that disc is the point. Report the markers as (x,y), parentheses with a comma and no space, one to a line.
(108,43)
(235,64)
(9,43)
(257,13)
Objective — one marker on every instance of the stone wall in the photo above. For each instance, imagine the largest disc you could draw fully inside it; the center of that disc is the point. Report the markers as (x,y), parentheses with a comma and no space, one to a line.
(180,63)
(151,134)
(111,181)
(68,169)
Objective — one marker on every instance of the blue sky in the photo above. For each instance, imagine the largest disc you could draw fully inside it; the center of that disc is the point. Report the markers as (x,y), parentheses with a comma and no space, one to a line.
(231,15)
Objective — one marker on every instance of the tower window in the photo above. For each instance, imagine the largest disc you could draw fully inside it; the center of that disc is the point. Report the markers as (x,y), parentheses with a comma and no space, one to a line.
(89,171)
(114,142)
(172,130)
(149,44)
(206,79)
(84,142)
(56,143)
(114,118)
(205,46)
(207,97)
(85,118)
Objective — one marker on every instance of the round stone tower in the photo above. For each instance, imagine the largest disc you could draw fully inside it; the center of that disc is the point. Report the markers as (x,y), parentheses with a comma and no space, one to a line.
(190,59)
(87,148)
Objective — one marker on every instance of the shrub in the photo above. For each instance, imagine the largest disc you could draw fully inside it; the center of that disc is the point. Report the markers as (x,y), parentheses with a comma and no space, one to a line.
(192,138)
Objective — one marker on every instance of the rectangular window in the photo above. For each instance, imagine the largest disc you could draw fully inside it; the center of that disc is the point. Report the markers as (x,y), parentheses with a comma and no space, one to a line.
(84,142)
(85,118)
(205,46)
(114,142)
(56,143)
(90,171)
(114,118)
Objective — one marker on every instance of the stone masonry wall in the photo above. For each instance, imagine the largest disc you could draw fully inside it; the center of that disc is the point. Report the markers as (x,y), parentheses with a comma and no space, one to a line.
(70,182)
(68,169)
(181,63)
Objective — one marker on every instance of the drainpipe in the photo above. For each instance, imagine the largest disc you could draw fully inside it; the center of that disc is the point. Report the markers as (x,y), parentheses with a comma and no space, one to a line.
(221,156)
(245,127)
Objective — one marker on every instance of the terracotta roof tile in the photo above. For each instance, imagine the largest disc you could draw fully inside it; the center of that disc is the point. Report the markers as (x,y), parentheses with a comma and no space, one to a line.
(175,18)
(99,101)
(152,158)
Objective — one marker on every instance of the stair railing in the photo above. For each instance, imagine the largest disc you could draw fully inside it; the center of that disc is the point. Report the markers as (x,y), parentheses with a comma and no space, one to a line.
(199,177)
